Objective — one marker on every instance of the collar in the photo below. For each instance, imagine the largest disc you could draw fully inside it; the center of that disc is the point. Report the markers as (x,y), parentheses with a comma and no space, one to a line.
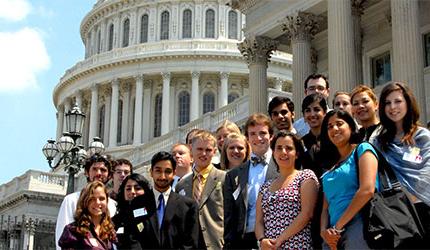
(266,157)
(204,172)
(165,194)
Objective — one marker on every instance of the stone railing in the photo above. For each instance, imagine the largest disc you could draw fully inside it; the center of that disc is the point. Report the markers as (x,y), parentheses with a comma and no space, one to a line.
(34,180)
(237,111)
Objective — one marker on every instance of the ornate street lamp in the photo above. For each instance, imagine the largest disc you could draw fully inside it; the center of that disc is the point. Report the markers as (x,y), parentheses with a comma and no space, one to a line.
(70,153)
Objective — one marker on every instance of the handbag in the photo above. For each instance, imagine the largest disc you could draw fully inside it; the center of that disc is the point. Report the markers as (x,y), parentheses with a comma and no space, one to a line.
(390,218)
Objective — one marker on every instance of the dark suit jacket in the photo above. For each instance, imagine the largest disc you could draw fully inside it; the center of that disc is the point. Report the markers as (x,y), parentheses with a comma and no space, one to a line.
(235,210)
(179,229)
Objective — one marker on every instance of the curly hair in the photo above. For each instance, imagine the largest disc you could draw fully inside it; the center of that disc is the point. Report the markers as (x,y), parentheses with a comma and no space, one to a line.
(83,217)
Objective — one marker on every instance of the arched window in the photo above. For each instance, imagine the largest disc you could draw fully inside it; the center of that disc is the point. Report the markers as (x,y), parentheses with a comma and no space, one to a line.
(232,97)
(125,32)
(164,29)
(144,28)
(208,102)
(186,24)
(232,24)
(157,115)
(184,108)
(119,122)
(99,47)
(110,38)
(210,24)
(102,122)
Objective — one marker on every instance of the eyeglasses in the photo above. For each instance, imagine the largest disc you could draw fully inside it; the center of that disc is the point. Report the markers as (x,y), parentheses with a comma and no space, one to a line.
(314,88)
(283,112)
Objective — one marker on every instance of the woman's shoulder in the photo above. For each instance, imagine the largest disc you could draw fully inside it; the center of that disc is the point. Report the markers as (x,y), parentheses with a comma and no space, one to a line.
(366,146)
(307,174)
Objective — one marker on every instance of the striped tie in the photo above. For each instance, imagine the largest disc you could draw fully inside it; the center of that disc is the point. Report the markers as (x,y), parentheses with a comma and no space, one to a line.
(198,187)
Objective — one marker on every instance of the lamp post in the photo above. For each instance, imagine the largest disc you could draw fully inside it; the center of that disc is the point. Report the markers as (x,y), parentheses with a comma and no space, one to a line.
(70,153)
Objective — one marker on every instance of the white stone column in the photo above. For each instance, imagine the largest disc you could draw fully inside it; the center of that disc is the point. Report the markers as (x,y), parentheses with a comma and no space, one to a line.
(300,28)
(67,108)
(60,120)
(103,44)
(194,109)
(137,133)
(125,112)
(165,109)
(408,60)
(341,50)
(78,99)
(114,114)
(223,94)
(117,33)
(152,23)
(279,83)
(107,97)
(357,11)
(257,51)
(94,115)
(147,111)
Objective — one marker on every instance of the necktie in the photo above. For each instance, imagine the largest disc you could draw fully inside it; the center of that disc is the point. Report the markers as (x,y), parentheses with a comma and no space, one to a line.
(257,159)
(160,209)
(198,187)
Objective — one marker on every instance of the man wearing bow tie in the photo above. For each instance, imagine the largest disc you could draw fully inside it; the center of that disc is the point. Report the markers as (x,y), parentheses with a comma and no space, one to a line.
(243,183)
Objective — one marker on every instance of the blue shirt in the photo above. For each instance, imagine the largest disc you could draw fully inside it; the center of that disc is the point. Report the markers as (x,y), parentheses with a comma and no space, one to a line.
(341,184)
(256,178)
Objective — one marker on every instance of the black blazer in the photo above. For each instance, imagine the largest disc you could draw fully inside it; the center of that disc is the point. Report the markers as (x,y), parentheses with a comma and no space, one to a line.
(180,228)
(235,210)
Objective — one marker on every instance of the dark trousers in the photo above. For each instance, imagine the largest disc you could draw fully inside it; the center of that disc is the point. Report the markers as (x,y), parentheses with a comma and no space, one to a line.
(424,213)
(248,242)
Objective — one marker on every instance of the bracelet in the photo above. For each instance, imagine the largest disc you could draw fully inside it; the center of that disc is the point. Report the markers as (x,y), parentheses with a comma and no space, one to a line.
(338,230)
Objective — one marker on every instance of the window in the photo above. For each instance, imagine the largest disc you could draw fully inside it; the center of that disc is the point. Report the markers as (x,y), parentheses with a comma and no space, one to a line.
(381,69)
(102,122)
(125,32)
(119,125)
(210,24)
(157,115)
(110,37)
(164,29)
(99,47)
(184,108)
(186,24)
(232,97)
(427,49)
(208,102)
(144,28)
(232,24)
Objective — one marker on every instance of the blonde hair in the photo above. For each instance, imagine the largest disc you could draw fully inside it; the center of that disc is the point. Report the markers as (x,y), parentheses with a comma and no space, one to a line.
(230,126)
(204,135)
(231,137)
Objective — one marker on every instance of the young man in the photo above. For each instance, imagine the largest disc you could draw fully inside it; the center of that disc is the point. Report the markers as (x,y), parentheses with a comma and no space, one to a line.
(205,186)
(315,83)
(97,168)
(182,154)
(121,169)
(175,223)
(243,183)
(281,111)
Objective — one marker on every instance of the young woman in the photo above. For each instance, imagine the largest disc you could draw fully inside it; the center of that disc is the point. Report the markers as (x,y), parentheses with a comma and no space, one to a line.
(235,151)
(406,146)
(364,109)
(342,101)
(345,190)
(285,205)
(226,128)
(126,223)
(92,228)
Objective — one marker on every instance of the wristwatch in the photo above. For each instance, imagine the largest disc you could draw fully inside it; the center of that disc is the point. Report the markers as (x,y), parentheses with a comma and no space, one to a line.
(338,230)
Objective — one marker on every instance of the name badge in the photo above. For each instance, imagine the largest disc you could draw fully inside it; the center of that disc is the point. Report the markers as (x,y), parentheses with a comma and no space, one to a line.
(120,230)
(94,242)
(413,156)
(182,192)
(236,193)
(140,212)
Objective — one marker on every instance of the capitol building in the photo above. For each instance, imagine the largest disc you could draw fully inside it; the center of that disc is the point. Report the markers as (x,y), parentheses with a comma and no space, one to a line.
(155,69)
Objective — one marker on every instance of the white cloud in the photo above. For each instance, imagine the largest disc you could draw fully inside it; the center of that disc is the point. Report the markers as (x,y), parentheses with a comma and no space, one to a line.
(14,10)
(22,56)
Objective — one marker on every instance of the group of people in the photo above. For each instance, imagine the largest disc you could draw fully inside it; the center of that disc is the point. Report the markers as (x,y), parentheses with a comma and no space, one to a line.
(279,184)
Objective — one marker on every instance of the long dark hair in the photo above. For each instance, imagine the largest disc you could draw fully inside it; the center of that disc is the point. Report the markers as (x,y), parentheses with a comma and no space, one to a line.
(300,151)
(329,154)
(122,204)
(410,121)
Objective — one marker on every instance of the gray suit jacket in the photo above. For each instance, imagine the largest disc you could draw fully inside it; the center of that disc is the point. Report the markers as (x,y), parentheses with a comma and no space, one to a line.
(235,210)
(211,207)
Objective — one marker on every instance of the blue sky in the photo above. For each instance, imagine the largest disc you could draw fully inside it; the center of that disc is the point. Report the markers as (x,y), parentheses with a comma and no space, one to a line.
(39,40)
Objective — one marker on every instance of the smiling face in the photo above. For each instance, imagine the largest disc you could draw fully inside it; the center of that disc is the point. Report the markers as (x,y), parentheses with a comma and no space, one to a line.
(339,131)
(162,173)
(343,102)
(395,107)
(98,172)
(236,152)
(132,190)
(98,203)
(203,151)
(285,152)
(318,85)
(259,138)
(282,117)
(314,114)
(364,109)
(221,134)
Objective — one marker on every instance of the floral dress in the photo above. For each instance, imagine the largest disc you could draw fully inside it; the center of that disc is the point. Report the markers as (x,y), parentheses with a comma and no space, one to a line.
(281,207)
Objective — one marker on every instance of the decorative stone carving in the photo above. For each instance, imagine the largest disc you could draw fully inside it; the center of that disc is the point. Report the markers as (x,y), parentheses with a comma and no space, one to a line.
(195,74)
(302,26)
(257,49)
(314,59)
(165,75)
(224,75)
(357,7)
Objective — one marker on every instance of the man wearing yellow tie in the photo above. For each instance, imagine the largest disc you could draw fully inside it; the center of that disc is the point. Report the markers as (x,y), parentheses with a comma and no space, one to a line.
(205,185)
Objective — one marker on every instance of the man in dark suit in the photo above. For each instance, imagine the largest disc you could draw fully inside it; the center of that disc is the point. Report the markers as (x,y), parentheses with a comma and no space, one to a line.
(243,183)
(175,223)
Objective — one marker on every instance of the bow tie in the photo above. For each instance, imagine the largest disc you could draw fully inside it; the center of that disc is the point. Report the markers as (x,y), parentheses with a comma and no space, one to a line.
(257,159)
